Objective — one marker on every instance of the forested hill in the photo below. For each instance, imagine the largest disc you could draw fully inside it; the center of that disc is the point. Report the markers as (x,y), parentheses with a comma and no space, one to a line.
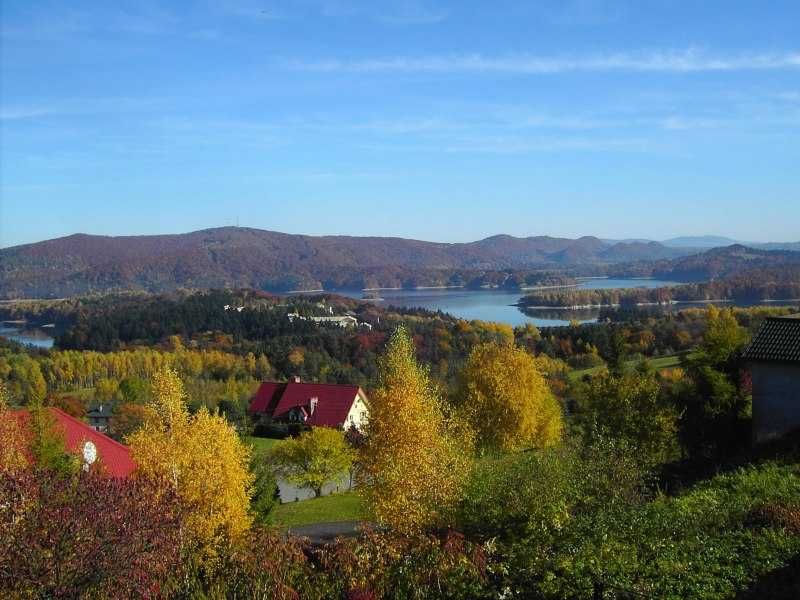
(731,261)
(253,258)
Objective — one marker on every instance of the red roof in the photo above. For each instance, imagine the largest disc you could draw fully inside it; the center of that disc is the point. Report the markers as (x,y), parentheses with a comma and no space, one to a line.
(115,457)
(334,401)
(266,398)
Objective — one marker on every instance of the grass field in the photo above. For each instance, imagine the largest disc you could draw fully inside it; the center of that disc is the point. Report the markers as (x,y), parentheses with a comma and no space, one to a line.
(663,362)
(329,509)
(260,445)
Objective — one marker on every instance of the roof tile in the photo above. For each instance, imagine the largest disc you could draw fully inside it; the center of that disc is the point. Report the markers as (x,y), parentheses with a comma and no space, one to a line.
(778,340)
(335,401)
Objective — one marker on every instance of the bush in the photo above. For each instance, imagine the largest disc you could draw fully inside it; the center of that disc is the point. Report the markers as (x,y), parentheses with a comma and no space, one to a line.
(383,565)
(88,534)
(702,544)
(535,494)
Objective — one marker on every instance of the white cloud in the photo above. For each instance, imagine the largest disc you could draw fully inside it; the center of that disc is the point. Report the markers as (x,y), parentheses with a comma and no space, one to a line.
(684,61)
(24,112)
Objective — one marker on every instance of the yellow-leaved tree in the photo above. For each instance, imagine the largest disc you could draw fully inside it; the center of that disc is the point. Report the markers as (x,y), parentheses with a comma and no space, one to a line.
(12,440)
(200,455)
(507,400)
(414,462)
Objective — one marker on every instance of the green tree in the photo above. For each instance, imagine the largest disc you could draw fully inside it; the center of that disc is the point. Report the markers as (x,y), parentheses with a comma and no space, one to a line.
(313,458)
(723,338)
(266,495)
(716,410)
(507,400)
(105,389)
(133,390)
(47,443)
(629,407)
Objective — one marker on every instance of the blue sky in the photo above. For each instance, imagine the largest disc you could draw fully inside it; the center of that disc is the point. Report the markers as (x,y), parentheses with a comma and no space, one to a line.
(434,120)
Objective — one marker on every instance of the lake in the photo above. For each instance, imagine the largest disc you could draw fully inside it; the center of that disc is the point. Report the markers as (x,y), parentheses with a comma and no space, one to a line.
(34,336)
(498,305)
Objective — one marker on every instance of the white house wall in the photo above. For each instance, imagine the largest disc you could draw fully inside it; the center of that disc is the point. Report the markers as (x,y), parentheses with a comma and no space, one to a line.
(358,414)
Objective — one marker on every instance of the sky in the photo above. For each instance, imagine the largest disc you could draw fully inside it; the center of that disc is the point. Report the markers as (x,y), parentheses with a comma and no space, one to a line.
(446,121)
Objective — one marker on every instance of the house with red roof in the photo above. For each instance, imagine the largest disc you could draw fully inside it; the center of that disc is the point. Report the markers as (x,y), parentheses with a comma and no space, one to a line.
(87,443)
(313,404)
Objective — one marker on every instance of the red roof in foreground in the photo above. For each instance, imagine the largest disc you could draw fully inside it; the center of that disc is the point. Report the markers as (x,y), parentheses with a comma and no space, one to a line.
(115,457)
(334,401)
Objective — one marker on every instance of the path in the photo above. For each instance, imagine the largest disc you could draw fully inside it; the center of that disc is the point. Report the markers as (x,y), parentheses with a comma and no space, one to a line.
(320,533)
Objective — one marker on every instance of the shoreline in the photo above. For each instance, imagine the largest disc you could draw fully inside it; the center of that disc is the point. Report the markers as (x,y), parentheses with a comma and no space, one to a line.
(668,303)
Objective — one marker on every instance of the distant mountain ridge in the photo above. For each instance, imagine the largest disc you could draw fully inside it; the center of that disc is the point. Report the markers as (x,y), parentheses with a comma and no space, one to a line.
(260,259)
(706,242)
(732,261)
(273,261)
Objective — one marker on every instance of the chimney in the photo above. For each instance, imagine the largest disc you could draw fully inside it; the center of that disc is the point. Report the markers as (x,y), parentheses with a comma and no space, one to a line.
(296,378)
(313,405)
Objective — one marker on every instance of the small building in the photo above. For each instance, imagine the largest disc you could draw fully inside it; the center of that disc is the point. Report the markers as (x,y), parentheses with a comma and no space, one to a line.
(99,417)
(774,360)
(87,443)
(343,321)
(313,404)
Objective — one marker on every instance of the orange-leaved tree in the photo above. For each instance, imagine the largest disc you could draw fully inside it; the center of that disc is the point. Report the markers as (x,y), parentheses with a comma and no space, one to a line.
(414,462)
(507,400)
(202,458)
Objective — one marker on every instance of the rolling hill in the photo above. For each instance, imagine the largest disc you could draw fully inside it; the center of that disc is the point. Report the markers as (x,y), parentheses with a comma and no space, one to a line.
(268,260)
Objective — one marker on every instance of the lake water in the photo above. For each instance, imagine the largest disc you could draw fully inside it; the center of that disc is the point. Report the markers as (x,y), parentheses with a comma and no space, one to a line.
(291,493)
(498,305)
(35,336)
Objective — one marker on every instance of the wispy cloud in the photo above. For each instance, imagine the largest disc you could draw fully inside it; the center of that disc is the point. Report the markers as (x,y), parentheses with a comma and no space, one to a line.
(74,107)
(683,61)
(584,12)
(22,112)
(521,145)
(394,12)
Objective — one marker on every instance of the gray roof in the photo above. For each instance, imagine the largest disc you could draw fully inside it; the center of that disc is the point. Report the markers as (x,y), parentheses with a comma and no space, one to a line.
(778,340)
(100,411)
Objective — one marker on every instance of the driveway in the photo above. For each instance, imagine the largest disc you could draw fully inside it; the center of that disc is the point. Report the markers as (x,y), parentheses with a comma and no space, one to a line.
(322,533)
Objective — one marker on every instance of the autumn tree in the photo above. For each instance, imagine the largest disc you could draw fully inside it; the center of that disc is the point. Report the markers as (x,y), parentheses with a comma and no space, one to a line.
(414,462)
(71,405)
(126,419)
(12,440)
(313,458)
(201,456)
(507,400)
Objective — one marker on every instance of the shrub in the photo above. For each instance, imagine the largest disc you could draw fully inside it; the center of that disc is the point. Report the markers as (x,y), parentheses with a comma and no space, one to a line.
(702,544)
(87,535)
(386,565)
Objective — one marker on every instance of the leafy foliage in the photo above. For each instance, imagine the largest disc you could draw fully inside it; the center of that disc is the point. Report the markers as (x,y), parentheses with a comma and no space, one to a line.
(716,406)
(202,458)
(414,463)
(12,448)
(313,458)
(508,402)
(87,536)
(630,406)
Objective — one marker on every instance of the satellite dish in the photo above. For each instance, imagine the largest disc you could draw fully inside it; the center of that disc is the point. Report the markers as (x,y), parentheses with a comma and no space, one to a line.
(89,453)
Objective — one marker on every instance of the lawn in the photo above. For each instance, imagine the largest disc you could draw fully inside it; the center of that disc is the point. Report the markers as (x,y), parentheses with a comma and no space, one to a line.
(346,506)
(260,445)
(659,364)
